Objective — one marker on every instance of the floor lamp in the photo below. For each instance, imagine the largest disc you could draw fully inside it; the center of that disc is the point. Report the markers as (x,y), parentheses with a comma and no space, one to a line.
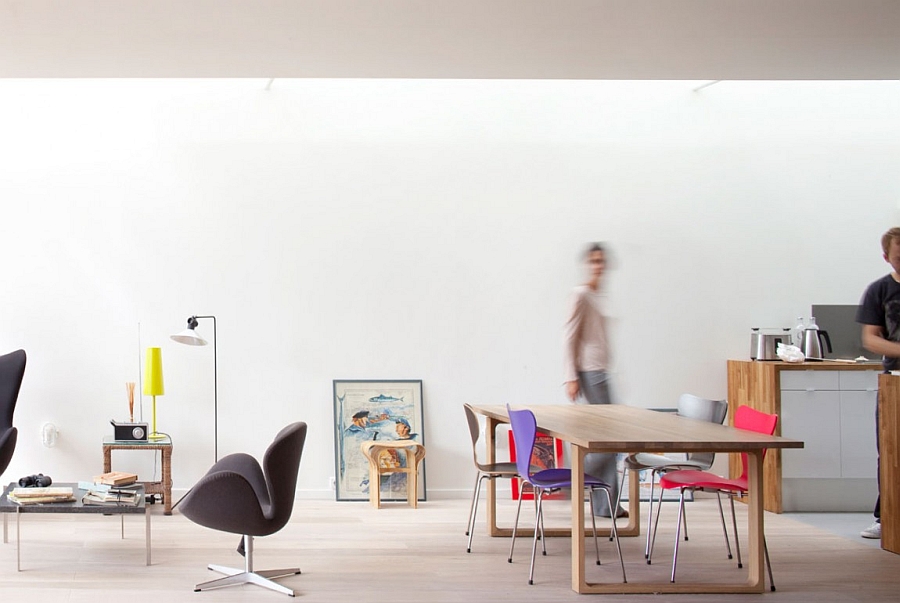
(190,337)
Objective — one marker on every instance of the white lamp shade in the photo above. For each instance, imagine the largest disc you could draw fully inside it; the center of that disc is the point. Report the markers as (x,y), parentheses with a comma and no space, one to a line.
(189,337)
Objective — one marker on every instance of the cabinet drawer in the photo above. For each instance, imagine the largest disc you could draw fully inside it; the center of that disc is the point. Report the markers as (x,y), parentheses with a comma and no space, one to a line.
(866,381)
(810,380)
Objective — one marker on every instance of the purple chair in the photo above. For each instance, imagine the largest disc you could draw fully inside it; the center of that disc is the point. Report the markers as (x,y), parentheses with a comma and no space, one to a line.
(524,428)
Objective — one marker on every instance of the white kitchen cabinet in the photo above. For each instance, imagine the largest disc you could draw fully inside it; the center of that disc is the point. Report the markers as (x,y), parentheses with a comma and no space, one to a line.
(859,397)
(814,417)
(833,412)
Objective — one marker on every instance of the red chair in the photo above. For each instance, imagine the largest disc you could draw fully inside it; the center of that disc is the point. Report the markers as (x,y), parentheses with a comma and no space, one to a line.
(745,418)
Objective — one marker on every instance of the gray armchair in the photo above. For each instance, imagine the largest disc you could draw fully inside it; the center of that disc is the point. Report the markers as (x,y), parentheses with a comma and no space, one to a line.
(12,370)
(238,496)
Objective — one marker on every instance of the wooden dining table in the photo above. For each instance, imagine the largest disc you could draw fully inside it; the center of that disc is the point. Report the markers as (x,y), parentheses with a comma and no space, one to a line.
(627,429)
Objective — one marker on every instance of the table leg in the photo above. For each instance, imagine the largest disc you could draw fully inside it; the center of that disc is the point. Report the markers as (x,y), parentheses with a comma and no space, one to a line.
(490,441)
(5,528)
(579,584)
(633,527)
(18,542)
(147,533)
(412,479)
(122,524)
(166,462)
(107,459)
(756,573)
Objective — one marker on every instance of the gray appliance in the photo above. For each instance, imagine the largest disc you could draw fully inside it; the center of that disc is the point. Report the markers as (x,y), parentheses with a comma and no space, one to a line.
(844,331)
(764,342)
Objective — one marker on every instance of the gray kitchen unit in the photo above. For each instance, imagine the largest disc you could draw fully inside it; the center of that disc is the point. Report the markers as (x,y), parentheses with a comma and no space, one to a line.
(833,412)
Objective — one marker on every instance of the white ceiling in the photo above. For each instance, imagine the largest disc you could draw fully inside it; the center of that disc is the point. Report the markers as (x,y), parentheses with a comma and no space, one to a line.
(570,39)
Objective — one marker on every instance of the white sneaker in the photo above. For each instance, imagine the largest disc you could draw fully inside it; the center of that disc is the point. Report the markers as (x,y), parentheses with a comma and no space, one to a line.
(873,531)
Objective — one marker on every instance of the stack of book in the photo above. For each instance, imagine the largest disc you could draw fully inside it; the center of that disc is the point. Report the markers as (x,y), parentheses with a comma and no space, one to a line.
(115,488)
(36,496)
(115,478)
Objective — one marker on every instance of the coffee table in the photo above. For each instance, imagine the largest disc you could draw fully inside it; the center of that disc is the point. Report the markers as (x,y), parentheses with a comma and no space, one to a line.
(76,507)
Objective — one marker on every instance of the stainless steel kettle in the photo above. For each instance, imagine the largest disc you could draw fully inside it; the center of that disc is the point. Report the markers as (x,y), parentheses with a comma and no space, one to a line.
(812,343)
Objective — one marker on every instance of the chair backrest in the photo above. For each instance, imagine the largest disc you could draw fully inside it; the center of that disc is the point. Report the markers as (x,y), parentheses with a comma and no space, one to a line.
(713,411)
(753,420)
(12,370)
(474,432)
(281,464)
(524,428)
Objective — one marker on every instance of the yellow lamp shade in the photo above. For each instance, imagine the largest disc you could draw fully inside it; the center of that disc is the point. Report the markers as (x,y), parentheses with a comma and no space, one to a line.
(153,376)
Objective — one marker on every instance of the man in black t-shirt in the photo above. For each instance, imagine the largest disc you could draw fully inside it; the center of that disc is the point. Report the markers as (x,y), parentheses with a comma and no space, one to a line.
(879,314)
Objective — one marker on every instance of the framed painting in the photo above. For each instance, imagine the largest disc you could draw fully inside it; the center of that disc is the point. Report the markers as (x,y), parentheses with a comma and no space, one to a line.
(374,410)
(547,454)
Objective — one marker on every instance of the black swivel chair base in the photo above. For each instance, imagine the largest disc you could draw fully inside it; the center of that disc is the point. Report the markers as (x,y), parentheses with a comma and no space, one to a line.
(235,577)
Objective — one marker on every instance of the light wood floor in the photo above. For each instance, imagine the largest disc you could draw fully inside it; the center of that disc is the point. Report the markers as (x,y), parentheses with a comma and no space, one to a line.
(350,552)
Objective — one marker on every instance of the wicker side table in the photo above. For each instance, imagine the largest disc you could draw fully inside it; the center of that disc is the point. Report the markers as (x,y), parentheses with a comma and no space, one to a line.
(164,446)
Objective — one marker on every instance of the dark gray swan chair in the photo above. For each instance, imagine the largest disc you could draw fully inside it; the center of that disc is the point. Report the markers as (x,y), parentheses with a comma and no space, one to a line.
(12,369)
(237,495)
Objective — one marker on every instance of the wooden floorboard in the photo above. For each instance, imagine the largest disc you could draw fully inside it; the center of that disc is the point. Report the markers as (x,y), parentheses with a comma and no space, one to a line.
(350,552)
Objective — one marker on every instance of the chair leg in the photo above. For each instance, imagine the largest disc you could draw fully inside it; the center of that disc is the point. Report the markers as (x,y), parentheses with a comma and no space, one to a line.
(737,544)
(655,526)
(724,527)
(539,513)
(472,504)
(768,565)
(619,496)
(512,543)
(684,519)
(649,516)
(615,533)
(677,534)
(473,511)
(539,497)
(234,576)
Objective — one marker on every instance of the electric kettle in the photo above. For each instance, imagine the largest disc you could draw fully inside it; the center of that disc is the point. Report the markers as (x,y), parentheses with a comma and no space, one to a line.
(812,343)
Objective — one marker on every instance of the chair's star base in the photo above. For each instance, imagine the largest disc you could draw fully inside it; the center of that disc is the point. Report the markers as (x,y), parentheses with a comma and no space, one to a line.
(234,577)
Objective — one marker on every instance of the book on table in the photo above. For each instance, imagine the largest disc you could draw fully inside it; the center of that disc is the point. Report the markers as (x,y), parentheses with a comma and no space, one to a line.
(36,496)
(116,478)
(112,497)
(105,494)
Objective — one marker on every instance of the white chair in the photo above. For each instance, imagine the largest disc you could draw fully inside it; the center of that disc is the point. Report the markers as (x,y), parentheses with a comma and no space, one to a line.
(691,407)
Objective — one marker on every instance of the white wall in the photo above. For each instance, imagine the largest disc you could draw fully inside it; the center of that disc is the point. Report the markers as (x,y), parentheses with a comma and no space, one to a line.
(430,230)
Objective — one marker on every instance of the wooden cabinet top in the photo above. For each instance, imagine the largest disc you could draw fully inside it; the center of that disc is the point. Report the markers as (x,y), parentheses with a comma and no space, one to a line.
(820,365)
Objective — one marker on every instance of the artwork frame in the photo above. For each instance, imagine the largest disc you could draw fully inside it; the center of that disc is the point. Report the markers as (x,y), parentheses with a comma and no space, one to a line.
(547,454)
(366,409)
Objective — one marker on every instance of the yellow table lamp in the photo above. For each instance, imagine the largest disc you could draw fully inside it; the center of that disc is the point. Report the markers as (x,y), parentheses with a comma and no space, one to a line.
(153,383)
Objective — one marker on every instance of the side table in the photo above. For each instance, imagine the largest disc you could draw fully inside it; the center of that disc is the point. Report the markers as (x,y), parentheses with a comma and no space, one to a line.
(164,446)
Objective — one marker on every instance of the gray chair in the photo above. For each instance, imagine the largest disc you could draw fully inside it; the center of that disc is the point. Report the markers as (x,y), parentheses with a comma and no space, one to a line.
(691,407)
(238,496)
(485,471)
(12,370)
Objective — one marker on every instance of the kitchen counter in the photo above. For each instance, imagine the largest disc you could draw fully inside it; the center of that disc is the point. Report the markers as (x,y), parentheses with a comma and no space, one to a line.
(831,407)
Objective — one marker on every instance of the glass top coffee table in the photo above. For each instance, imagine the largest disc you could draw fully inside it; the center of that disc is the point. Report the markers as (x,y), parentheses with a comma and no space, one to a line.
(76,507)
